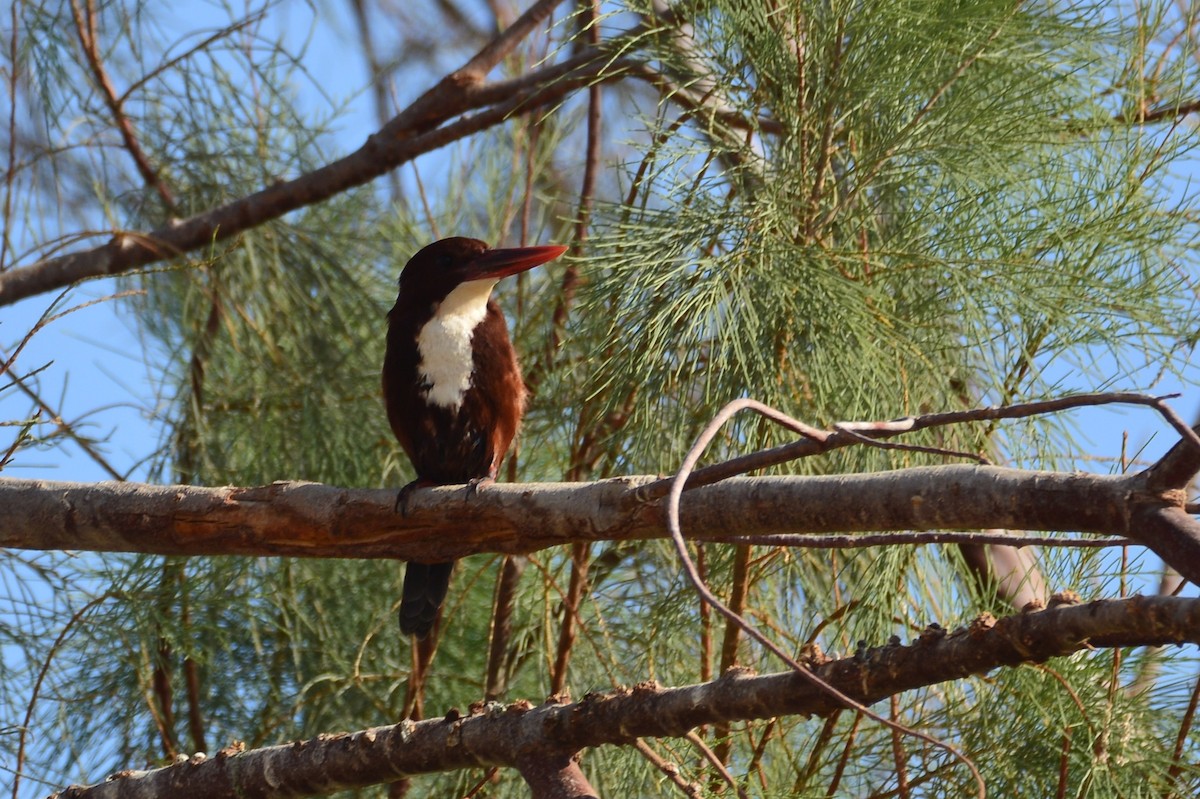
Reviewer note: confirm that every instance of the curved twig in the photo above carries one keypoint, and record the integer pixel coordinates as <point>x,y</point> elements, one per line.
<point>676,534</point>
<point>23,731</point>
<point>1169,468</point>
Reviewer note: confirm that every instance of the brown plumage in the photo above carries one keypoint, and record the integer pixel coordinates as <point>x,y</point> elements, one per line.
<point>451,383</point>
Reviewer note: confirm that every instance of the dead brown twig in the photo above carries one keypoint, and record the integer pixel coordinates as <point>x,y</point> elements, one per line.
<point>673,528</point>
<point>845,434</point>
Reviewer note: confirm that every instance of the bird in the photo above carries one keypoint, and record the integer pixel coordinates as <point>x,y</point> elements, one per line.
<point>452,385</point>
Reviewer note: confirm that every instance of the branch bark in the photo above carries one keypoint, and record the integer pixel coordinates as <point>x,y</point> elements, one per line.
<point>544,739</point>
<point>314,520</point>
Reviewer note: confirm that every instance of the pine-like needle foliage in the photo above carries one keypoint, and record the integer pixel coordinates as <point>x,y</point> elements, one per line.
<point>848,210</point>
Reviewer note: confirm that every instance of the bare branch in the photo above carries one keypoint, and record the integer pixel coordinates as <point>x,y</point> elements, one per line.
<point>314,520</point>
<point>521,734</point>
<point>669,770</point>
<point>85,28</point>
<point>911,538</point>
<point>1170,473</point>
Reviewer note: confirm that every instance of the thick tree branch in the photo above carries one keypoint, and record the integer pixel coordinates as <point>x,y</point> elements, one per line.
<point>521,735</point>
<point>313,520</point>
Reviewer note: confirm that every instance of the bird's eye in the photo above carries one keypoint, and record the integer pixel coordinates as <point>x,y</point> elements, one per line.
<point>445,261</point>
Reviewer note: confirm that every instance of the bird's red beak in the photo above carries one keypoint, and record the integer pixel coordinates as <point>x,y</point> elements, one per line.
<point>502,263</point>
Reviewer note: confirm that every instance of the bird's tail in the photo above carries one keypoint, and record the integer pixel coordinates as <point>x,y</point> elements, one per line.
<point>425,586</point>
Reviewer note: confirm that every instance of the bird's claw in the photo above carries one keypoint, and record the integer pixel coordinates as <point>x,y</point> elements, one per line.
<point>476,483</point>
<point>405,494</point>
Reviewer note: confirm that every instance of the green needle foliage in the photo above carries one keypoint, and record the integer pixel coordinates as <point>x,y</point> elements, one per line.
<point>848,210</point>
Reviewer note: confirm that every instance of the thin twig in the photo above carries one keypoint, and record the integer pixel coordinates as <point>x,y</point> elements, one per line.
<point>1185,728</point>
<point>756,756</point>
<point>66,428</point>
<point>191,678</point>
<point>738,589</point>
<point>10,174</point>
<point>1064,764</point>
<point>37,685</point>
<point>814,754</point>
<point>48,318</point>
<point>899,756</point>
<point>588,632</point>
<point>706,638</point>
<point>669,769</point>
<point>85,27</point>
<point>378,82</point>
<point>828,114</point>
<point>23,435</point>
<point>844,760</point>
<point>580,555</point>
<point>535,130</point>
<point>252,19</point>
<point>817,442</point>
<point>590,21</point>
<point>676,533</point>
<point>915,538</point>
<point>498,48</point>
<point>496,680</point>
<point>848,429</point>
<point>488,776</point>
<point>716,763</point>
<point>1170,111</point>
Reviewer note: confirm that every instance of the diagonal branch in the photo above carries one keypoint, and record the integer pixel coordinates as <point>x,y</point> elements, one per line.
<point>521,734</point>
<point>66,428</point>
<point>85,28</point>
<point>413,132</point>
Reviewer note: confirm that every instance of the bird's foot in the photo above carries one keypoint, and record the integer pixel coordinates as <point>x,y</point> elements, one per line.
<point>476,483</point>
<point>404,494</point>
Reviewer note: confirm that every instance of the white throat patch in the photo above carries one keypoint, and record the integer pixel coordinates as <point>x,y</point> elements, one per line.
<point>444,343</point>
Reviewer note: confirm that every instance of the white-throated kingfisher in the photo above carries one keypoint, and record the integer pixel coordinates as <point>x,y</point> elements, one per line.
<point>451,383</point>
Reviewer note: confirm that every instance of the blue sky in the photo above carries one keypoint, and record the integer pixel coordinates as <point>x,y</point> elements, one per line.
<point>97,375</point>
<point>95,368</point>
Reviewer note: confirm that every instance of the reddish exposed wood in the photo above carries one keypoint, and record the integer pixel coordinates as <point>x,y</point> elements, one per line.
<point>314,520</point>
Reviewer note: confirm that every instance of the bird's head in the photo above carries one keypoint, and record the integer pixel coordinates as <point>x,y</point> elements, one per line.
<point>440,268</point>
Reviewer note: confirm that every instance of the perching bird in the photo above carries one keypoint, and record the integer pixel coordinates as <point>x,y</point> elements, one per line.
<point>451,383</point>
